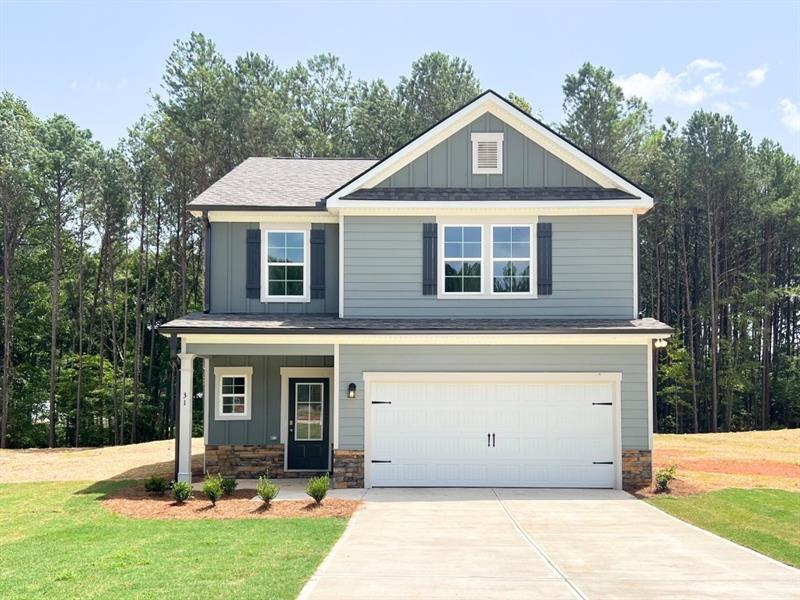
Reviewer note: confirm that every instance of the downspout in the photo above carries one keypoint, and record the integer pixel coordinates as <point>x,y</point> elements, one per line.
<point>173,357</point>
<point>207,263</point>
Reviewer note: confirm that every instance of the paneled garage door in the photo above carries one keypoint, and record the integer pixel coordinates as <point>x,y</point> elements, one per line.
<point>509,429</point>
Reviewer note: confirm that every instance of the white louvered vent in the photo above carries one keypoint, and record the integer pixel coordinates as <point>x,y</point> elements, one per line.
<point>487,153</point>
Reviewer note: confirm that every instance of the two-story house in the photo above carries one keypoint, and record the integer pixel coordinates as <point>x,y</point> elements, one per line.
<point>461,313</point>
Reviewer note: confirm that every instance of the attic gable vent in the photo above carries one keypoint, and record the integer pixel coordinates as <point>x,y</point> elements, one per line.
<point>487,153</point>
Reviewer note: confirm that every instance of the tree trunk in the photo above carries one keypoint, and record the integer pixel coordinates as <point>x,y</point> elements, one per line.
<point>80,323</point>
<point>713,333</point>
<point>54,299</point>
<point>690,328</point>
<point>9,247</point>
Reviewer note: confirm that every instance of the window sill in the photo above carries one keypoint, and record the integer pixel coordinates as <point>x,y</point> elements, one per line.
<point>486,296</point>
<point>233,417</point>
<point>283,299</point>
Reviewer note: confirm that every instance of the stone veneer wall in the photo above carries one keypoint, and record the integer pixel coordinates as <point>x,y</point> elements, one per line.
<point>348,468</point>
<point>247,462</point>
<point>637,469</point>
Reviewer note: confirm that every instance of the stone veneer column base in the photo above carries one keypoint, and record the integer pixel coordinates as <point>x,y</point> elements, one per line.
<point>637,469</point>
<point>348,468</point>
<point>248,462</point>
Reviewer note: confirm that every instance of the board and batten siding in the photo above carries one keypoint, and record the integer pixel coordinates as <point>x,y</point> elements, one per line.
<point>229,276</point>
<point>631,361</point>
<point>592,272</point>
<point>525,163</point>
<point>265,425</point>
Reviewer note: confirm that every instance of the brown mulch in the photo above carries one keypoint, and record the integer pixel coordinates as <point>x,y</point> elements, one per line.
<point>135,502</point>
<point>736,467</point>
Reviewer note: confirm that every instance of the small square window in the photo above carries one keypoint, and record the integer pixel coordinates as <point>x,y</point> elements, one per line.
<point>233,392</point>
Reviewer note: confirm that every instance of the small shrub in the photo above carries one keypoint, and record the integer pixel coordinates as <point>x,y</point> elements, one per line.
<point>212,488</point>
<point>156,485</point>
<point>267,490</point>
<point>181,491</point>
<point>317,487</point>
<point>664,477</point>
<point>228,485</point>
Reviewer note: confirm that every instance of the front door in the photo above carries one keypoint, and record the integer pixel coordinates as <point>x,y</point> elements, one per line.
<point>308,444</point>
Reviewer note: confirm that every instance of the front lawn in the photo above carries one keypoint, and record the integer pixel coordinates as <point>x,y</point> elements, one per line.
<point>58,541</point>
<point>764,520</point>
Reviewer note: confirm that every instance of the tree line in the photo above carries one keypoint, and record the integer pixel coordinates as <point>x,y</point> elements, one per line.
<point>98,248</point>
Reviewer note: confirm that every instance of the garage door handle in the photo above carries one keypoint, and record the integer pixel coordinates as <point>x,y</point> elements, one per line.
<point>488,440</point>
<point>381,461</point>
<point>601,403</point>
<point>603,462</point>
<point>492,440</point>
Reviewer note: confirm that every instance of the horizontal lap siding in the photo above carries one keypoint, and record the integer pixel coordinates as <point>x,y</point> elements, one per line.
<point>592,272</point>
<point>228,275</point>
<point>264,427</point>
<point>631,361</point>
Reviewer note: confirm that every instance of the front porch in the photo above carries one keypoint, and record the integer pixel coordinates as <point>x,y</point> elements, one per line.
<point>268,410</point>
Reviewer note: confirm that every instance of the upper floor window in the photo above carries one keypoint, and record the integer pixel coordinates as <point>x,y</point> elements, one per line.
<point>512,262</point>
<point>287,276</point>
<point>233,392</point>
<point>463,259</point>
<point>487,153</point>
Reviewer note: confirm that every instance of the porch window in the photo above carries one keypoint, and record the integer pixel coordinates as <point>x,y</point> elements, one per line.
<point>287,277</point>
<point>512,262</point>
<point>463,259</point>
<point>308,412</point>
<point>233,397</point>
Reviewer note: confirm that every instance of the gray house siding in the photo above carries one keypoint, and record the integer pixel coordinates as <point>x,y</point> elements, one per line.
<point>526,163</point>
<point>631,361</point>
<point>592,272</point>
<point>228,275</point>
<point>265,425</point>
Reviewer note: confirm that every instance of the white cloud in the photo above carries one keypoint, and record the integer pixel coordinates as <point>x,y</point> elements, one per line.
<point>704,64</point>
<point>702,81</point>
<point>790,114</point>
<point>755,77</point>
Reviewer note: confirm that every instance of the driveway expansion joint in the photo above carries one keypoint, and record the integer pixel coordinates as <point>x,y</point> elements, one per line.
<point>538,549</point>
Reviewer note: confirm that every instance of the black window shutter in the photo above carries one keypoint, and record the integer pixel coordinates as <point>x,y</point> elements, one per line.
<point>429,262</point>
<point>253,263</point>
<point>317,263</point>
<point>544,258</point>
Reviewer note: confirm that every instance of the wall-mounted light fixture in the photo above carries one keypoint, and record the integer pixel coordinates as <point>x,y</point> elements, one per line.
<point>351,390</point>
<point>660,343</point>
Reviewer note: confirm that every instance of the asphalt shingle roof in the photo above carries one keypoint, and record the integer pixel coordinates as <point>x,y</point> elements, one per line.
<point>284,183</point>
<point>324,323</point>
<point>535,194</point>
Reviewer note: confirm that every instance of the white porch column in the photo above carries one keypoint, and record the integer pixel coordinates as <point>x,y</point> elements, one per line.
<point>185,418</point>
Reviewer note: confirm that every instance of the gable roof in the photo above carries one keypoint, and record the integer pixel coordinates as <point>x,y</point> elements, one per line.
<point>280,183</point>
<point>489,101</point>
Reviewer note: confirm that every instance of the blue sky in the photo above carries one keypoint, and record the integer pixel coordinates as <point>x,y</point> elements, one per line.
<point>98,62</point>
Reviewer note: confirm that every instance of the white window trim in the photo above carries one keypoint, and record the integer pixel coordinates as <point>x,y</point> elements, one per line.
<point>305,229</point>
<point>247,373</point>
<point>442,260</point>
<point>487,137</point>
<point>322,414</point>
<point>533,275</point>
<point>487,286</point>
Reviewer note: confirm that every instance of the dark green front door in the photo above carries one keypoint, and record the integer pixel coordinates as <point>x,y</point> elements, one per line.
<point>309,443</point>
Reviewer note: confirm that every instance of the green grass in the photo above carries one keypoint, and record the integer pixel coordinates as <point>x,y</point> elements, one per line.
<point>764,520</point>
<point>58,541</point>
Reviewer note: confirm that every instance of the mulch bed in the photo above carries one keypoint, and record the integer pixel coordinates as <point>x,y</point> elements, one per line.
<point>137,503</point>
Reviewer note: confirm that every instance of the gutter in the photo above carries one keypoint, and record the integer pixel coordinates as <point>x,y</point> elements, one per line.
<point>180,330</point>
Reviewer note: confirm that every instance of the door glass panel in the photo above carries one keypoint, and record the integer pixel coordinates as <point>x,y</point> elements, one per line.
<point>308,412</point>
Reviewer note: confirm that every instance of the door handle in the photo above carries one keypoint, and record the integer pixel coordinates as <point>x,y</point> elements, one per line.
<point>488,440</point>
<point>492,440</point>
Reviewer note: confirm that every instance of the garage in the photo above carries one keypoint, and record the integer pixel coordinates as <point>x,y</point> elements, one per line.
<point>492,429</point>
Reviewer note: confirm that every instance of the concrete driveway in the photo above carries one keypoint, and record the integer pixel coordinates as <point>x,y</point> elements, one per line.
<point>504,543</point>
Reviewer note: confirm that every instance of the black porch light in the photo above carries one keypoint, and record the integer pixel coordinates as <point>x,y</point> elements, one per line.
<point>351,390</point>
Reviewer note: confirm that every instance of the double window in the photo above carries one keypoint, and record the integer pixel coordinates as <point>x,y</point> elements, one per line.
<point>509,271</point>
<point>287,277</point>
<point>233,392</point>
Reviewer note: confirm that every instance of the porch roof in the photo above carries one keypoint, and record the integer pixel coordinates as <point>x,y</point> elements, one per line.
<point>332,324</point>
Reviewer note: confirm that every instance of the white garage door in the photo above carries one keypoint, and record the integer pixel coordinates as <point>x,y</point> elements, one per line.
<point>515,430</point>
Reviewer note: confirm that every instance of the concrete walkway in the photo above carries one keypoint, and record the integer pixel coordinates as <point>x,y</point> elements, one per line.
<point>483,543</point>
